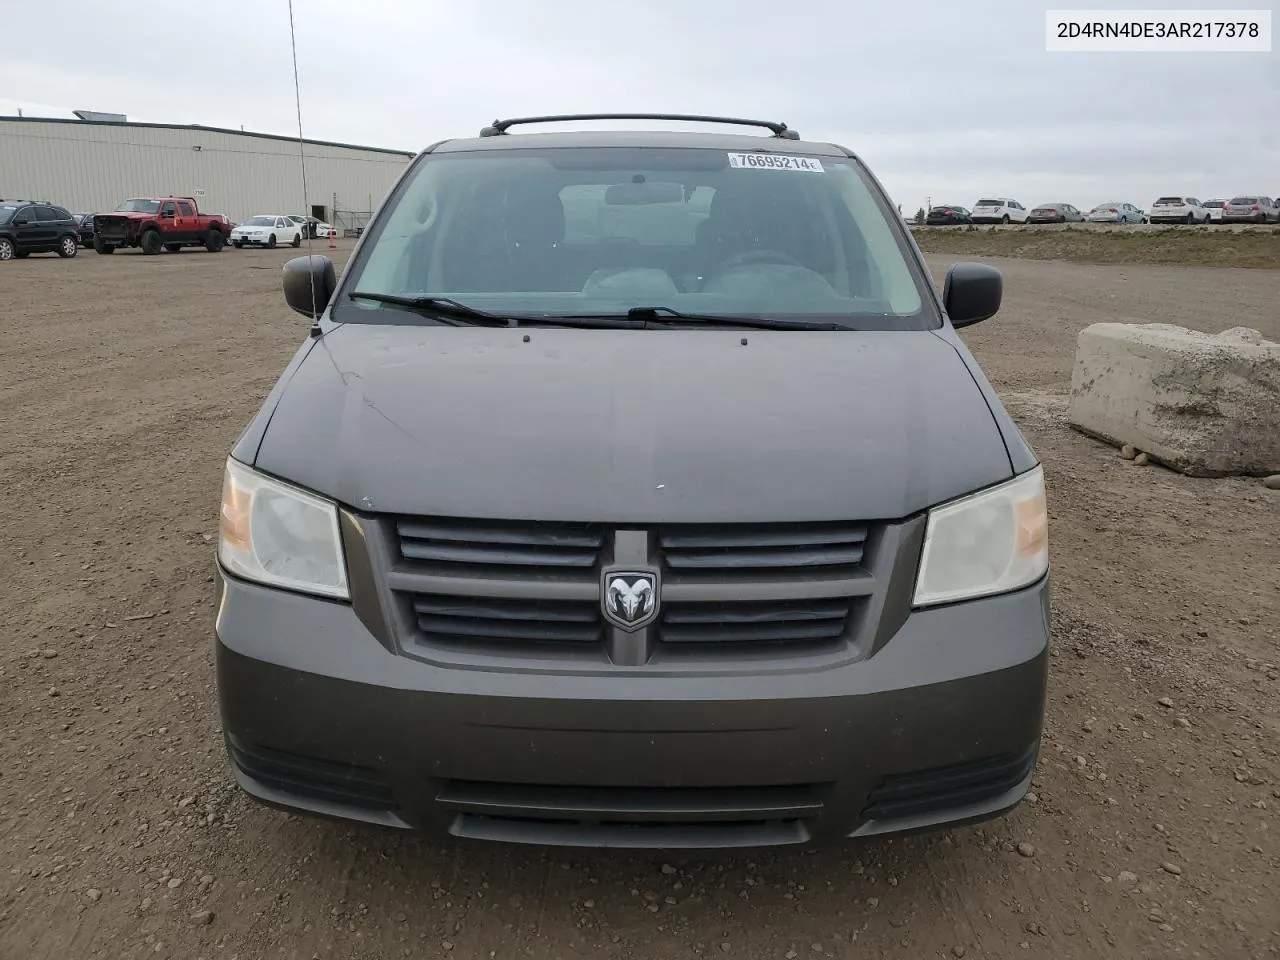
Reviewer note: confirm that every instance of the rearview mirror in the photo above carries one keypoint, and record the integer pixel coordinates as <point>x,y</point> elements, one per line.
<point>628,194</point>
<point>309,282</point>
<point>972,293</point>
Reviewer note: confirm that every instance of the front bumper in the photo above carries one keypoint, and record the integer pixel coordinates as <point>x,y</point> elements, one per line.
<point>941,725</point>
<point>242,238</point>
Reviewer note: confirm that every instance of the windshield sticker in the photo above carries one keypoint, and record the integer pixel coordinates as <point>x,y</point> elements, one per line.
<point>774,161</point>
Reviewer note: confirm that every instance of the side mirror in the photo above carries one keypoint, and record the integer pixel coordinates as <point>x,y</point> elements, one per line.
<point>972,293</point>
<point>309,282</point>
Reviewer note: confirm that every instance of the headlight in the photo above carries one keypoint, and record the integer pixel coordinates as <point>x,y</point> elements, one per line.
<point>279,535</point>
<point>990,542</point>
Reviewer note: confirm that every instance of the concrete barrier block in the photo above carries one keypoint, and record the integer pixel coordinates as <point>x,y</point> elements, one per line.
<point>1207,405</point>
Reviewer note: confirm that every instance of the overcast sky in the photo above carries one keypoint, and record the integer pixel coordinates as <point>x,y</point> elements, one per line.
<point>944,98</point>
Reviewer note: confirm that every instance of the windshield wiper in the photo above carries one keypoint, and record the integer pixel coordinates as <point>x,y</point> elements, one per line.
<point>457,314</point>
<point>449,312</point>
<point>669,315</point>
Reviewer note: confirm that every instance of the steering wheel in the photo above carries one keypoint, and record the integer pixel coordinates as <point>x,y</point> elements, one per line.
<point>749,257</point>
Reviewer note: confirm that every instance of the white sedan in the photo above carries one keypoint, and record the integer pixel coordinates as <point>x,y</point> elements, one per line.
<point>267,230</point>
<point>312,227</point>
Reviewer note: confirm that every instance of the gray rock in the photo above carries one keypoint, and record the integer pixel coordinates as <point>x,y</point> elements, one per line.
<point>1025,849</point>
<point>1200,403</point>
<point>1272,482</point>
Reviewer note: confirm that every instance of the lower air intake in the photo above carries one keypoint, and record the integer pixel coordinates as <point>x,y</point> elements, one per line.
<point>303,776</point>
<point>945,788</point>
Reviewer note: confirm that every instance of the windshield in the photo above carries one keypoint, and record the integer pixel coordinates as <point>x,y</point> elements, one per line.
<point>1213,203</point>
<point>1169,202</point>
<point>990,203</point>
<point>259,222</point>
<point>139,206</point>
<point>596,232</point>
<point>1244,201</point>
<point>6,212</point>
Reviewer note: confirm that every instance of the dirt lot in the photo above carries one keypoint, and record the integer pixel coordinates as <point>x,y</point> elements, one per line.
<point>1154,828</point>
<point>1210,246</point>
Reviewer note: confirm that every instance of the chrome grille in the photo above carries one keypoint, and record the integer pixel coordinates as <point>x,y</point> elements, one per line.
<point>459,589</point>
<point>818,548</point>
<point>500,619</point>
<point>774,622</point>
<point>470,546</point>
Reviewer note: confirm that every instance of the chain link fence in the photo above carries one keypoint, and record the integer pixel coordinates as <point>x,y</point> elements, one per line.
<point>351,223</point>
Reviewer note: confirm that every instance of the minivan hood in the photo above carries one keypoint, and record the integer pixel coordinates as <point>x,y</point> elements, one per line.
<point>634,426</point>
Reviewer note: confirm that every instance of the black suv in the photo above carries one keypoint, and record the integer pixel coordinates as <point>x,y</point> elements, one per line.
<point>28,227</point>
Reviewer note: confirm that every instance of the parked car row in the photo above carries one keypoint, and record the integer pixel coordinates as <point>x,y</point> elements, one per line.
<point>273,229</point>
<point>150,223</point>
<point>1245,208</point>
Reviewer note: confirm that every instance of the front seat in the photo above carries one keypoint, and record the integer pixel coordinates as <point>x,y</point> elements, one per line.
<point>532,220</point>
<point>742,219</point>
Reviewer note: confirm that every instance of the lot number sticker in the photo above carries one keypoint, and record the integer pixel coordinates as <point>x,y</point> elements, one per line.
<point>773,161</point>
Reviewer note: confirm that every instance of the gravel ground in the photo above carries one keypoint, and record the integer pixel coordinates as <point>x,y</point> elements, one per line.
<point>1152,832</point>
<point>1233,245</point>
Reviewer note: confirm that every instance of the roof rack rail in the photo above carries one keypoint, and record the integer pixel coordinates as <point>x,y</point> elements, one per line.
<point>780,130</point>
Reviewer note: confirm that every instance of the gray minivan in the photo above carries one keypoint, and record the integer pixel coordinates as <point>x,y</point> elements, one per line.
<point>634,489</point>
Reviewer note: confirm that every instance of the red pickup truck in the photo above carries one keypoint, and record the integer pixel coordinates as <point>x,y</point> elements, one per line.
<point>159,223</point>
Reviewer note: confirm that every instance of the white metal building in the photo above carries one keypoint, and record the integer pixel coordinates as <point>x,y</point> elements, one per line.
<point>90,166</point>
